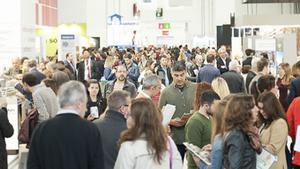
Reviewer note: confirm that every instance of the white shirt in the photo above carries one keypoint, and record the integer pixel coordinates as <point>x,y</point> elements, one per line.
<point>86,77</point>
<point>67,111</point>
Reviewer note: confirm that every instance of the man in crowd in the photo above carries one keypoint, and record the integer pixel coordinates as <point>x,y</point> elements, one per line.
<point>180,94</point>
<point>233,78</point>
<point>67,141</point>
<point>120,83</point>
<point>151,87</point>
<point>87,69</point>
<point>32,69</point>
<point>164,71</point>
<point>133,70</point>
<point>113,124</point>
<point>198,127</point>
<point>247,62</point>
<point>208,72</point>
<point>252,73</point>
<point>44,98</point>
<point>70,65</point>
<point>263,69</point>
<point>223,60</point>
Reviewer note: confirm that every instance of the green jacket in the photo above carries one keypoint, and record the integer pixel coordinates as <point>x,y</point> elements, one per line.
<point>183,100</point>
<point>197,132</point>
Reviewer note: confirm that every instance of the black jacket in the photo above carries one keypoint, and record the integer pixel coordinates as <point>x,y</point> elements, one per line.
<point>221,66</point>
<point>128,86</point>
<point>64,142</point>
<point>237,151</point>
<point>249,78</point>
<point>95,71</point>
<point>6,130</point>
<point>294,90</point>
<point>161,73</point>
<point>234,81</point>
<point>110,128</point>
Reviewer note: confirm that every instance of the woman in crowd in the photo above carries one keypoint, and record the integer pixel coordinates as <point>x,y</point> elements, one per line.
<point>148,69</point>
<point>241,142</point>
<point>6,130</point>
<point>145,144</point>
<point>95,105</point>
<point>51,83</point>
<point>274,131</point>
<point>283,83</point>
<point>108,73</point>
<point>219,85</point>
<point>201,87</point>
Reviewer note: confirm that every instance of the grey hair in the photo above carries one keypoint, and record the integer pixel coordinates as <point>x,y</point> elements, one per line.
<point>233,65</point>
<point>117,99</point>
<point>150,80</point>
<point>70,93</point>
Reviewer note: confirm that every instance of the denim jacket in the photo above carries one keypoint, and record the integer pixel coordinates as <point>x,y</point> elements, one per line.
<point>216,155</point>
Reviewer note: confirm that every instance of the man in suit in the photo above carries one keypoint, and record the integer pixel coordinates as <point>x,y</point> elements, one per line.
<point>208,72</point>
<point>67,141</point>
<point>114,122</point>
<point>32,69</point>
<point>70,65</point>
<point>223,60</point>
<point>164,71</point>
<point>88,69</point>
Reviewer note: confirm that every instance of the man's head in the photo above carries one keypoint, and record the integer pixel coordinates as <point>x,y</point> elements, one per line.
<point>254,62</point>
<point>210,59</point>
<point>164,60</point>
<point>152,84</point>
<point>249,52</point>
<point>199,59</point>
<point>179,74</point>
<point>128,59</point>
<point>119,101</point>
<point>32,63</point>
<point>29,80</point>
<point>69,57</point>
<point>121,73</point>
<point>263,66</point>
<point>211,52</point>
<point>16,63</point>
<point>72,95</point>
<point>86,54</point>
<point>222,53</point>
<point>234,65</point>
<point>296,69</point>
<point>206,100</point>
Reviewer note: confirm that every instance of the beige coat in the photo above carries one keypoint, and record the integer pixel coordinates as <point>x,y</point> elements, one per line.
<point>274,140</point>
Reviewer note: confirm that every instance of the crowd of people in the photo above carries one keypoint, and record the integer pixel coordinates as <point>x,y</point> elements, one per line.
<point>103,109</point>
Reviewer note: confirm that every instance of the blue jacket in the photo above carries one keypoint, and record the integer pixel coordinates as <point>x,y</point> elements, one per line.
<point>216,155</point>
<point>208,73</point>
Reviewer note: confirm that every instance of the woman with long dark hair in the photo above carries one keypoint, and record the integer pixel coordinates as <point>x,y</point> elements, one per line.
<point>241,142</point>
<point>145,144</point>
<point>274,129</point>
<point>95,105</point>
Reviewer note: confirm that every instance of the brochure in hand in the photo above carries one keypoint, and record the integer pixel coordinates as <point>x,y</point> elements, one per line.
<point>202,155</point>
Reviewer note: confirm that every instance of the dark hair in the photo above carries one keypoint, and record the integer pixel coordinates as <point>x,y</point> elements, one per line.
<point>52,84</point>
<point>210,58</point>
<point>94,81</point>
<point>32,63</point>
<point>208,97</point>
<point>265,83</point>
<point>179,66</point>
<point>30,79</point>
<point>248,52</point>
<point>86,50</point>
<point>147,120</point>
<point>238,113</point>
<point>68,54</point>
<point>129,56</point>
<point>261,64</point>
<point>264,55</point>
<point>271,107</point>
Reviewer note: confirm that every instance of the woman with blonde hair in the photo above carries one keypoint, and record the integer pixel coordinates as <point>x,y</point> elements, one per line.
<point>219,85</point>
<point>283,83</point>
<point>146,144</point>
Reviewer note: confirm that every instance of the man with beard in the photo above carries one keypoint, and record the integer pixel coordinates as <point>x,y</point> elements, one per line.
<point>198,127</point>
<point>179,93</point>
<point>120,83</point>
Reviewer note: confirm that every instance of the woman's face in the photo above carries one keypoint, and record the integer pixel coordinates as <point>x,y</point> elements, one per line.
<point>93,89</point>
<point>281,71</point>
<point>254,112</point>
<point>261,110</point>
